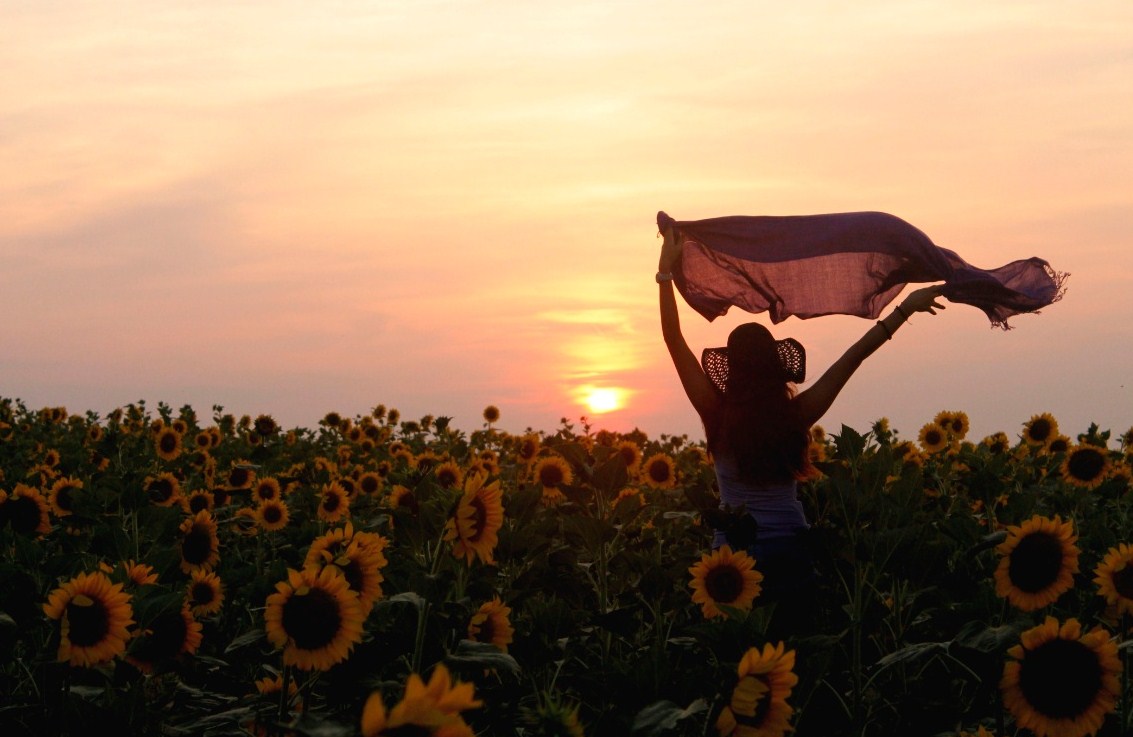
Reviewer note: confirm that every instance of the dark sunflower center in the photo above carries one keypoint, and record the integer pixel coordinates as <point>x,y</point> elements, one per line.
<point>1058,446</point>
<point>628,455</point>
<point>165,639</point>
<point>331,502</point>
<point>933,437</point>
<point>197,545</point>
<point>724,584</point>
<point>266,492</point>
<point>87,620</point>
<point>65,497</point>
<point>447,478</point>
<point>487,630</point>
<point>369,484</point>
<point>312,619</point>
<point>1123,582</point>
<point>1035,562</point>
<point>202,594</point>
<point>353,574</point>
<point>160,490</point>
<point>550,476</point>
<point>1086,464</point>
<point>168,442</point>
<point>272,514</point>
<point>1040,430</point>
<point>198,503</point>
<point>659,472</point>
<point>25,514</point>
<point>238,477</point>
<point>1060,679</point>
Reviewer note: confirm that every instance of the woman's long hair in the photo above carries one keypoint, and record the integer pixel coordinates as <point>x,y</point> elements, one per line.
<point>758,424</point>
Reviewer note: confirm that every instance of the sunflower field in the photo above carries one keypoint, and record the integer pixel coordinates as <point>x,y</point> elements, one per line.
<point>166,574</point>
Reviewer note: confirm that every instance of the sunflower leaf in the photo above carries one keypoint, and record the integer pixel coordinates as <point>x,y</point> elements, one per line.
<point>479,655</point>
<point>248,638</point>
<point>662,716</point>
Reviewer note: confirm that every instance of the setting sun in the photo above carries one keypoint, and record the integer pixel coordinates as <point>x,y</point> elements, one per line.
<point>601,400</point>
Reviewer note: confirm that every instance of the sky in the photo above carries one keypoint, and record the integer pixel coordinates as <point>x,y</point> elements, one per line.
<point>292,208</point>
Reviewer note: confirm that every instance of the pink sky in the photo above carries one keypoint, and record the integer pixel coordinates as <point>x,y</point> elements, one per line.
<point>292,208</point>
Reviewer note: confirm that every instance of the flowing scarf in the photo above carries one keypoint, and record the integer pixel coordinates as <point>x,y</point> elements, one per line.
<point>847,264</point>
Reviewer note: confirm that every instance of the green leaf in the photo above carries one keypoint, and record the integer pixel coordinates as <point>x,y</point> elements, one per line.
<point>481,655</point>
<point>611,476</point>
<point>248,638</point>
<point>850,443</point>
<point>662,716</point>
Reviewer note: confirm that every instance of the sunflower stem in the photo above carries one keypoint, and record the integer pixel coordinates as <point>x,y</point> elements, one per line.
<point>285,686</point>
<point>419,639</point>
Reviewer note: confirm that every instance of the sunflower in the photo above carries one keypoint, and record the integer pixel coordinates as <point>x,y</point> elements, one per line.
<point>133,573</point>
<point>448,475</point>
<point>265,489</point>
<point>272,515</point>
<point>61,496</point>
<point>334,502</point>
<point>205,594</point>
<point>96,616</point>
<point>241,476</point>
<point>1114,577</point>
<point>933,438</point>
<point>314,617</point>
<point>758,707</point>
<point>491,414</point>
<point>170,634</point>
<point>202,441</point>
<point>478,516</point>
<point>554,717</point>
<point>527,448</point>
<point>1058,444</point>
<point>402,497</point>
<point>244,522</point>
<point>954,423</point>
<point>491,623</point>
<point>1085,466</point>
<point>659,471</point>
<point>553,472</point>
<point>996,444</point>
<point>200,548</point>
<point>197,501</point>
<point>1038,561</point>
<point>430,710</point>
<point>358,557</point>
<point>51,458</point>
<point>164,490</point>
<point>167,443</point>
<point>26,511</point>
<point>724,578</point>
<point>1061,682</point>
<point>370,483</point>
<point>1039,430</point>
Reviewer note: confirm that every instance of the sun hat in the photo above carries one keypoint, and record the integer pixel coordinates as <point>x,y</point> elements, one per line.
<point>791,354</point>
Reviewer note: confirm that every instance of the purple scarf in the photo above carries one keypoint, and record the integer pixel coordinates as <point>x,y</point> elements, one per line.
<point>849,264</point>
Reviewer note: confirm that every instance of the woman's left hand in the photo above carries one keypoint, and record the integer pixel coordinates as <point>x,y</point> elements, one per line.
<point>923,300</point>
<point>670,251</point>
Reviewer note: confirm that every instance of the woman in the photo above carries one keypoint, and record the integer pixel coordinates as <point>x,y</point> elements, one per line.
<point>758,428</point>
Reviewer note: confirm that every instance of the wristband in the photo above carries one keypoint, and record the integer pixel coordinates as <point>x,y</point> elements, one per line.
<point>663,276</point>
<point>888,332</point>
<point>901,312</point>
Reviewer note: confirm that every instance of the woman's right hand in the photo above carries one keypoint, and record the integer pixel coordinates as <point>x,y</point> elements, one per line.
<point>670,251</point>
<point>923,300</point>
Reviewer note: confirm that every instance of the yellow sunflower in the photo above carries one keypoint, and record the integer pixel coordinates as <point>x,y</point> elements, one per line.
<point>95,618</point>
<point>169,635</point>
<point>272,515</point>
<point>205,594</point>
<point>630,453</point>
<point>997,443</point>
<point>359,563</point>
<point>370,483</point>
<point>933,438</point>
<point>1037,562</point>
<point>477,519</point>
<point>1039,430</point>
<point>167,444</point>
<point>241,475</point>
<point>659,471</point>
<point>334,503</point>
<point>198,500</point>
<point>552,473</point>
<point>1114,577</point>
<point>758,707</point>
<point>1085,466</point>
<point>431,710</point>
<point>314,618</point>
<point>1058,444</point>
<point>27,511</point>
<point>954,423</point>
<point>404,498</point>
<point>724,578</point>
<point>491,623</point>
<point>527,448</point>
<point>266,489</point>
<point>1061,682</point>
<point>491,414</point>
<point>62,496</point>
<point>163,490</point>
<point>448,475</point>
<point>200,548</point>
<point>131,573</point>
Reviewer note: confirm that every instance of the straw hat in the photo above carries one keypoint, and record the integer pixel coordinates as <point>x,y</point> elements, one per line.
<point>791,354</point>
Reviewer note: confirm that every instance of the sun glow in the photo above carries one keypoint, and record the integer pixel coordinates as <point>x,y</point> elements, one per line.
<point>603,399</point>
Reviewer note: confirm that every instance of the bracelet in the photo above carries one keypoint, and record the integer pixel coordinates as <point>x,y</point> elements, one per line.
<point>888,332</point>
<point>663,276</point>
<point>901,312</point>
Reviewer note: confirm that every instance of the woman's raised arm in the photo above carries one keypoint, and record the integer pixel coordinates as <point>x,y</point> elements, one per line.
<point>815,401</point>
<point>696,384</point>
